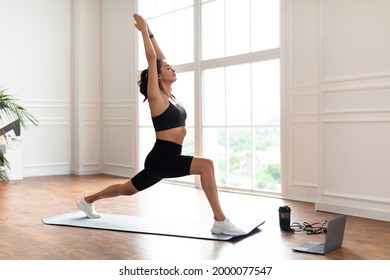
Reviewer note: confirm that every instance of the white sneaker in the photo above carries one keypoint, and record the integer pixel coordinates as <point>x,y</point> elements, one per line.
<point>226,227</point>
<point>88,209</point>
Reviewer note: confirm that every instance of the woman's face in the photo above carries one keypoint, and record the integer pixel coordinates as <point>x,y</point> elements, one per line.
<point>168,73</point>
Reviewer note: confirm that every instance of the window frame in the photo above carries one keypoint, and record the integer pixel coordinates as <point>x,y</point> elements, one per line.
<point>198,66</point>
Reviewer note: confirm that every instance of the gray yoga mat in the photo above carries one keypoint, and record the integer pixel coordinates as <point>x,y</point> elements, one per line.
<point>117,222</point>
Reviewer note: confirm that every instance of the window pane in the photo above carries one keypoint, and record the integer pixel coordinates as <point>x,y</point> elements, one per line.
<point>146,8</point>
<point>151,8</point>
<point>265,24</point>
<point>214,148</point>
<point>266,92</point>
<point>142,62</point>
<point>238,95</point>
<point>267,158</point>
<point>214,96</point>
<point>237,27</point>
<point>183,89</point>
<point>147,138</point>
<point>189,143</point>
<point>163,30</point>
<point>213,30</point>
<point>183,3</point>
<point>162,6</point>
<point>173,30</point>
<point>188,149</point>
<point>144,118</point>
<point>184,36</point>
<point>239,158</point>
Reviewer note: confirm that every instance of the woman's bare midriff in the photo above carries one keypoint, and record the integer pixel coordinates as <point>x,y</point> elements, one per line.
<point>175,135</point>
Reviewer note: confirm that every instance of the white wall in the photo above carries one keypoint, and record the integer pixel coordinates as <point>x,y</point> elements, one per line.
<point>34,65</point>
<point>86,82</point>
<point>338,105</point>
<point>120,88</point>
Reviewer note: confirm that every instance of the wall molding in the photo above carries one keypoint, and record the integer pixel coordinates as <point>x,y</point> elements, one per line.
<point>46,170</point>
<point>107,163</point>
<point>90,112</point>
<point>118,103</point>
<point>355,197</point>
<point>356,120</point>
<point>303,90</point>
<point>304,185</point>
<point>117,122</point>
<point>367,94</point>
<point>304,122</point>
<point>353,89</point>
<point>49,110</point>
<point>364,78</point>
<point>118,112</point>
<point>66,163</point>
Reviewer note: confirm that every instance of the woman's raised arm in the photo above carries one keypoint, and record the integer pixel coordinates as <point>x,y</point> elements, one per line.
<point>143,27</point>
<point>156,47</point>
<point>153,89</point>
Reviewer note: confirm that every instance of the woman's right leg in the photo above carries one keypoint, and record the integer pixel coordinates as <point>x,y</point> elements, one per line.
<point>113,191</point>
<point>138,183</point>
<point>86,204</point>
<point>205,168</point>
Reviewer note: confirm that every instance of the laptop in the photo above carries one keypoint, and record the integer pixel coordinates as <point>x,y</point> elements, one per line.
<point>334,238</point>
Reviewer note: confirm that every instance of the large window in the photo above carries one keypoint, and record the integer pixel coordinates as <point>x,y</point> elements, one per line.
<point>226,54</point>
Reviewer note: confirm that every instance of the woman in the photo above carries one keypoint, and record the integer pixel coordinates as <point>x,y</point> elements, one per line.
<point>165,159</point>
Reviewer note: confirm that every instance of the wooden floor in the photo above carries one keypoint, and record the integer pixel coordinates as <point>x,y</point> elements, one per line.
<point>24,237</point>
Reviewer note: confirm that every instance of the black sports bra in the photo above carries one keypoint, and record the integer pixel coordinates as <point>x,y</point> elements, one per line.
<point>172,117</point>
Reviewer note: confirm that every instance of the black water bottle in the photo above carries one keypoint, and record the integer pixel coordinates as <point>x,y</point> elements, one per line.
<point>284,218</point>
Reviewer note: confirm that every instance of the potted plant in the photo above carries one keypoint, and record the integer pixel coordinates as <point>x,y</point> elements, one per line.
<point>11,111</point>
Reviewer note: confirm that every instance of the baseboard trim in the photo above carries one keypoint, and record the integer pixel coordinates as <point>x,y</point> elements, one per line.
<point>376,214</point>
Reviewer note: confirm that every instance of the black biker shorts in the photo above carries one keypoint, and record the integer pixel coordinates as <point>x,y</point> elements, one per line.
<point>163,161</point>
